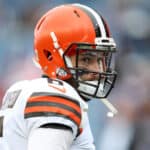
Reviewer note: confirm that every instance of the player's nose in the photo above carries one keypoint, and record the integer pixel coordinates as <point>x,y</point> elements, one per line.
<point>96,67</point>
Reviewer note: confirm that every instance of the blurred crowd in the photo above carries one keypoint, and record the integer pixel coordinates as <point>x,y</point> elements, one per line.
<point>130,25</point>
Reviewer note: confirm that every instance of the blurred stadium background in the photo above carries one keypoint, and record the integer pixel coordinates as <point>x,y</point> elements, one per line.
<point>129,21</point>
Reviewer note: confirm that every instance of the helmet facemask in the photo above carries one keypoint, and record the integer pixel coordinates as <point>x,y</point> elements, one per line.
<point>92,82</point>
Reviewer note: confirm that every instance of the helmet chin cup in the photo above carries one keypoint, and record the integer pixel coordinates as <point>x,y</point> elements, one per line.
<point>97,89</point>
<point>90,87</point>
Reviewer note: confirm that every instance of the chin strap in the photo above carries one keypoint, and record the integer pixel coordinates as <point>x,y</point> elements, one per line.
<point>112,110</point>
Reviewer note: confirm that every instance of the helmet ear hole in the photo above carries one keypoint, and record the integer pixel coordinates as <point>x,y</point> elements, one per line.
<point>48,55</point>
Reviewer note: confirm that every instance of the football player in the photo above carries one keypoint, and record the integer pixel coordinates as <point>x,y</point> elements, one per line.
<point>74,48</point>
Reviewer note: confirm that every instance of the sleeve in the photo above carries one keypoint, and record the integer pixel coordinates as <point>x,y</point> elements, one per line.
<point>85,140</point>
<point>46,108</point>
<point>48,138</point>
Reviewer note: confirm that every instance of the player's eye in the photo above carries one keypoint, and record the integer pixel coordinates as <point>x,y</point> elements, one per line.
<point>86,60</point>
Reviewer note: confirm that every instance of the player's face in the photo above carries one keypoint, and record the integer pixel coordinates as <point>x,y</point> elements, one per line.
<point>90,61</point>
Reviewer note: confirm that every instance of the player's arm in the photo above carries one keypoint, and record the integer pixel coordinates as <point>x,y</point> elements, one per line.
<point>50,139</point>
<point>53,121</point>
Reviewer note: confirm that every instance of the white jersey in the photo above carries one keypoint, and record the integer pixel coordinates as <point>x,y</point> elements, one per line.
<point>28,105</point>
